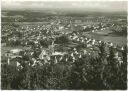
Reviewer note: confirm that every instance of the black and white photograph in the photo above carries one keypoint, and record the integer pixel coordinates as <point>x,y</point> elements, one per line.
<point>64,45</point>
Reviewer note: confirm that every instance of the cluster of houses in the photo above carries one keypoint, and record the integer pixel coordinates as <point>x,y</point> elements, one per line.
<point>41,42</point>
<point>47,55</point>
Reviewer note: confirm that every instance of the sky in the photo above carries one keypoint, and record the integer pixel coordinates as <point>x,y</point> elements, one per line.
<point>87,5</point>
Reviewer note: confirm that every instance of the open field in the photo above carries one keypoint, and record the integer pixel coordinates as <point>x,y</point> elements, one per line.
<point>117,40</point>
<point>4,49</point>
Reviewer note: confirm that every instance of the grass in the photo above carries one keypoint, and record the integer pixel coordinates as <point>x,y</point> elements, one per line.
<point>7,48</point>
<point>117,40</point>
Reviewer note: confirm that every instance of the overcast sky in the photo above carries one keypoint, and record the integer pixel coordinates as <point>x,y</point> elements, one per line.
<point>91,5</point>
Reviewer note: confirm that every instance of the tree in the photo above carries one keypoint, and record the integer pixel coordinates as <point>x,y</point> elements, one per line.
<point>62,40</point>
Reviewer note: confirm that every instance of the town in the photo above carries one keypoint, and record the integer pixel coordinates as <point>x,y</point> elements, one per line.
<point>63,51</point>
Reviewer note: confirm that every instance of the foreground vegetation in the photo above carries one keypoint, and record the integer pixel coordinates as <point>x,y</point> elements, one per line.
<point>85,73</point>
